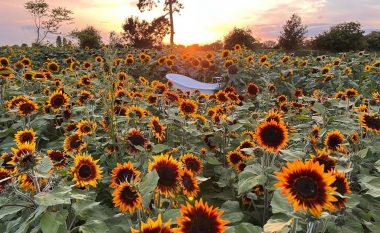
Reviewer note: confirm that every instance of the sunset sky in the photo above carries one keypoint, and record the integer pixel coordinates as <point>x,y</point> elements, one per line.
<point>201,21</point>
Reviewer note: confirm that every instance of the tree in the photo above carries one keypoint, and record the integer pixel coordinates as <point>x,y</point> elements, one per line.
<point>340,38</point>
<point>239,36</point>
<point>47,20</point>
<point>58,41</point>
<point>293,33</point>
<point>170,6</point>
<point>373,41</point>
<point>142,34</point>
<point>88,37</point>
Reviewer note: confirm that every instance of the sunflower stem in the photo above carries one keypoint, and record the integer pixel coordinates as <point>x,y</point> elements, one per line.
<point>294,225</point>
<point>312,226</point>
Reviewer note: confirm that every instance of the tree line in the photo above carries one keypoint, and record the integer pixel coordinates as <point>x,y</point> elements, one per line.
<point>140,33</point>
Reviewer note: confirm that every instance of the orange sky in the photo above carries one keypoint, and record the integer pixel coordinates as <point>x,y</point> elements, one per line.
<point>201,21</point>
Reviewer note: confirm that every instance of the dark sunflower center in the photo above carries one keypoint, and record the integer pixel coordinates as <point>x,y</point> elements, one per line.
<point>201,222</point>
<point>128,195</point>
<point>192,164</point>
<point>27,108</point>
<point>187,182</point>
<point>306,187</point>
<point>372,122</point>
<point>188,108</point>
<point>58,101</point>
<point>340,187</point>
<point>75,142</point>
<point>334,141</point>
<point>272,136</point>
<point>235,158</point>
<point>125,175</point>
<point>157,127</point>
<point>27,137</point>
<point>85,171</point>
<point>86,129</point>
<point>168,175</point>
<point>137,140</point>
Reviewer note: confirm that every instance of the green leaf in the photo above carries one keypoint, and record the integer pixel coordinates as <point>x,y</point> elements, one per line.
<point>172,215</point>
<point>212,160</point>
<point>280,203</point>
<point>59,195</point>
<point>319,108</point>
<point>362,153</point>
<point>245,185</point>
<point>278,222</point>
<point>93,226</point>
<point>146,187</point>
<point>244,228</point>
<point>5,211</point>
<point>232,212</point>
<point>44,167</point>
<point>51,221</point>
<point>160,148</point>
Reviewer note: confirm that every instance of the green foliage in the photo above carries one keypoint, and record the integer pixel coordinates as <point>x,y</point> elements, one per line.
<point>239,36</point>
<point>142,34</point>
<point>373,41</point>
<point>341,38</point>
<point>293,34</point>
<point>88,37</point>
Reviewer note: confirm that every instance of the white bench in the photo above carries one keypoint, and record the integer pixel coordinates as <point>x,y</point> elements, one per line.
<point>188,84</point>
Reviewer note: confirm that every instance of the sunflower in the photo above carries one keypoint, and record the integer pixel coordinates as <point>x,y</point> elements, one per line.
<point>159,88</point>
<point>189,183</point>
<point>347,70</point>
<point>245,144</point>
<point>4,173</point>
<point>4,61</point>
<point>234,158</point>
<point>263,59</point>
<point>87,65</point>
<point>325,159</point>
<point>86,171</point>
<point>200,218</point>
<point>272,136</point>
<point>376,96</point>
<point>99,58</point>
<point>24,153</point>
<point>84,96</point>
<point>354,138</point>
<point>228,63</point>
<point>6,72</point>
<point>126,198</point>
<point>222,97</point>
<point>370,122</point>
<point>249,133</point>
<point>136,111</point>
<point>281,99</point>
<point>26,182</point>
<point>334,140</point>
<point>273,116</point>
<point>252,89</point>
<point>58,158</point>
<point>85,128</point>
<point>53,67</point>
<point>225,53</point>
<point>85,81</point>
<point>307,186</point>
<point>188,107</point>
<point>136,137</point>
<point>58,99</point>
<point>7,162</point>
<point>192,163</point>
<point>168,172</point>
<point>342,188</point>
<point>73,144</point>
<point>124,173</point>
<point>26,135</point>
<point>157,128</point>
<point>27,107</point>
<point>154,227</point>
<point>351,92</point>
<point>129,60</point>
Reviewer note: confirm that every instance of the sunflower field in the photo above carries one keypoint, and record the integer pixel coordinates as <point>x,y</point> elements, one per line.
<point>99,141</point>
